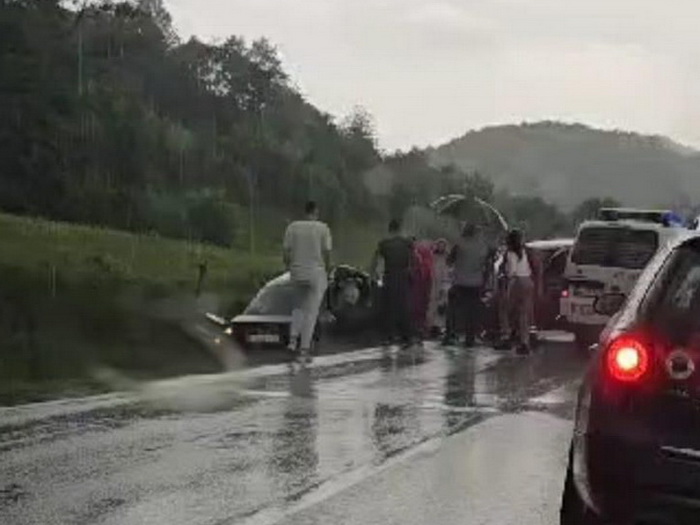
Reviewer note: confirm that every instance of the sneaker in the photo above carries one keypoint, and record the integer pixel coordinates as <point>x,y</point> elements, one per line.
<point>305,355</point>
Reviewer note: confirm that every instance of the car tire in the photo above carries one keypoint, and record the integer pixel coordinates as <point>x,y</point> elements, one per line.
<point>573,510</point>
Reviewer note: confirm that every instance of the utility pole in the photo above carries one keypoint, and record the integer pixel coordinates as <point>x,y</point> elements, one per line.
<point>250,176</point>
<point>80,59</point>
<point>79,27</point>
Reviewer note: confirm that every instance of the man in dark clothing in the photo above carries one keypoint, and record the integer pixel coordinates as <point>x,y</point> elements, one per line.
<point>468,260</point>
<point>396,251</point>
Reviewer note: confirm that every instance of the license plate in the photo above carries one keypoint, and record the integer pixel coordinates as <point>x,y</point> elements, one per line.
<point>263,338</point>
<point>582,309</point>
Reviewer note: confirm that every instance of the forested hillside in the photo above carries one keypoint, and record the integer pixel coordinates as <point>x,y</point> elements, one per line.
<point>106,117</point>
<point>566,164</point>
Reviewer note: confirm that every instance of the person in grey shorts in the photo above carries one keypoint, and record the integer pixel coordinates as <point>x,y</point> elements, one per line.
<point>307,250</point>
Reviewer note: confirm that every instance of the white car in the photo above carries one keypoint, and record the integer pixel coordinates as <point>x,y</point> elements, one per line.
<point>608,256</point>
<point>349,304</point>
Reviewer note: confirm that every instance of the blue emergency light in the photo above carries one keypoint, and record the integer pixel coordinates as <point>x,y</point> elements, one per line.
<point>665,217</point>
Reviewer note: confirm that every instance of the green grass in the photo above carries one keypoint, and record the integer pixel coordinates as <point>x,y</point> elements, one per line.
<point>76,298</point>
<point>75,253</point>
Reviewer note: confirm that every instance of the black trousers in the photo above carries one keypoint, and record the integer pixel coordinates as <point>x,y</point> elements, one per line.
<point>395,306</point>
<point>464,304</point>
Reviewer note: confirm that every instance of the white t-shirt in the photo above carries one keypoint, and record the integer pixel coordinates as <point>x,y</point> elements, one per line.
<point>517,267</point>
<point>306,241</point>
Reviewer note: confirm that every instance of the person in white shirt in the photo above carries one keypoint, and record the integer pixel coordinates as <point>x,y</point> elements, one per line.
<point>307,250</point>
<point>521,291</point>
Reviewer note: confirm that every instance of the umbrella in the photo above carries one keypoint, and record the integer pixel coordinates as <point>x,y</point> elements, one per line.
<point>458,205</point>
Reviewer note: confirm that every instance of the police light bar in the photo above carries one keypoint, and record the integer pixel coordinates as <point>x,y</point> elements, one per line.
<point>631,214</point>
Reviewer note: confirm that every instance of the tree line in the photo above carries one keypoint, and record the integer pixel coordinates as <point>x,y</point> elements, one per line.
<point>107,117</point>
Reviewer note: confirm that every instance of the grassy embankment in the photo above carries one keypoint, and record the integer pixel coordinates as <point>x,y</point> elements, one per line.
<point>74,298</point>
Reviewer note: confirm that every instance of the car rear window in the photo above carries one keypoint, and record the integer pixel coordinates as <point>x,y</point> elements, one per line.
<point>615,247</point>
<point>675,306</point>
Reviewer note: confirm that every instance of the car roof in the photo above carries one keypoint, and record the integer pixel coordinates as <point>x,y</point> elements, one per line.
<point>628,223</point>
<point>550,244</point>
<point>280,280</point>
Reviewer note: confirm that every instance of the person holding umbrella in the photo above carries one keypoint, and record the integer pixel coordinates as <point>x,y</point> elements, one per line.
<point>468,259</point>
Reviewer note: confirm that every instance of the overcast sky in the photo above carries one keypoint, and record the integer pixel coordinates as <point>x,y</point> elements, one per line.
<point>429,70</point>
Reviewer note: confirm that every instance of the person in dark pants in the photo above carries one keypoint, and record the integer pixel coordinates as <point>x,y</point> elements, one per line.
<point>396,252</point>
<point>468,259</point>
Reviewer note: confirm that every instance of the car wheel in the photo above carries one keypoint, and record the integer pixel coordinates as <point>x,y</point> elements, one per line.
<point>573,510</point>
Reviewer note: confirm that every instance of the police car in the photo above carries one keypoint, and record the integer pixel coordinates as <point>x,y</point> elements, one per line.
<point>608,256</point>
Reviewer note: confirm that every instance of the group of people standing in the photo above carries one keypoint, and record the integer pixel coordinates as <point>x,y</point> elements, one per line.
<point>428,288</point>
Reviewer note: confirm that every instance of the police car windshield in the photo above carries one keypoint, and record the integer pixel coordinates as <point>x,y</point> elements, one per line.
<point>618,247</point>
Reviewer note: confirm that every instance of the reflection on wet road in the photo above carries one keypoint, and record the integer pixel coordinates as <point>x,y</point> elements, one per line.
<point>364,437</point>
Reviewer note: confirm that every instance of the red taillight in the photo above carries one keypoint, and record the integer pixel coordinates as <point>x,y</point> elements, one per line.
<point>564,293</point>
<point>627,358</point>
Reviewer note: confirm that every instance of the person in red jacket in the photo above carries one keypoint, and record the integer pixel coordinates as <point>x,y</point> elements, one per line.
<point>421,286</point>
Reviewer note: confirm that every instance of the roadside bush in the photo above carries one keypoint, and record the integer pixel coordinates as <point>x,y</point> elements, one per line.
<point>202,215</point>
<point>166,214</point>
<point>210,217</point>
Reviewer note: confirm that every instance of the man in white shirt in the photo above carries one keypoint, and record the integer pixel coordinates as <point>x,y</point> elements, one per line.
<point>307,249</point>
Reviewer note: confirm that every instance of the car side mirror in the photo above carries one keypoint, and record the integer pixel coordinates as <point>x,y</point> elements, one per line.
<point>609,303</point>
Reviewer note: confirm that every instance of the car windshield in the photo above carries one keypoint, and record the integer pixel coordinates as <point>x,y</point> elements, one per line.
<point>274,299</point>
<point>615,247</point>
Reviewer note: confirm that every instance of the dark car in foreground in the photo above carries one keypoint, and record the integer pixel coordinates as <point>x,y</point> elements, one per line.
<point>349,305</point>
<point>635,453</point>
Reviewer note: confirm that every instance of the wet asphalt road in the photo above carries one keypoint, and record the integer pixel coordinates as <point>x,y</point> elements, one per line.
<point>373,436</point>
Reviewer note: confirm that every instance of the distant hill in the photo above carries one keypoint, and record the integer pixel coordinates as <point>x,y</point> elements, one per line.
<point>568,163</point>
